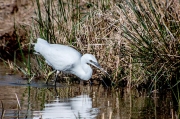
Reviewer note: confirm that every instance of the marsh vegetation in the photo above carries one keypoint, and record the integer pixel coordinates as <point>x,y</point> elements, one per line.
<point>135,41</point>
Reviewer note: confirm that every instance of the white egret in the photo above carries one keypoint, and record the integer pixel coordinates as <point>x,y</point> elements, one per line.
<point>67,59</point>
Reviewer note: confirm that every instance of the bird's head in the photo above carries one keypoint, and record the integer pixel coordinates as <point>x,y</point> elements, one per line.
<point>90,59</point>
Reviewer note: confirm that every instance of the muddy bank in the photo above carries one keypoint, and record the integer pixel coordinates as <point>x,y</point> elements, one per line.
<point>15,20</point>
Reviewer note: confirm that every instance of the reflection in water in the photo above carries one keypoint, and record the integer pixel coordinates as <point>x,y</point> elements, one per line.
<point>73,108</point>
<point>39,101</point>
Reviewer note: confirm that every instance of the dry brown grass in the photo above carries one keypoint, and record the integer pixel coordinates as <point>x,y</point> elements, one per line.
<point>17,12</point>
<point>94,28</point>
<point>96,31</point>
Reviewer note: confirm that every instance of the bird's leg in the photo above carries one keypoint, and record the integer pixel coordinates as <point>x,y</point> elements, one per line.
<point>57,72</point>
<point>49,74</point>
<point>56,92</point>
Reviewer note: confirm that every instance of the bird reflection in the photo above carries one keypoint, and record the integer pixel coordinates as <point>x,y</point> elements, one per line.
<point>73,108</point>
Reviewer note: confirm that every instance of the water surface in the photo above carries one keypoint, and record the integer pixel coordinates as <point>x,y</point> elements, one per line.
<point>39,101</point>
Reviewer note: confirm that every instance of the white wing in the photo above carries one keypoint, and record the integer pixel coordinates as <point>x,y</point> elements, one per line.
<point>60,57</point>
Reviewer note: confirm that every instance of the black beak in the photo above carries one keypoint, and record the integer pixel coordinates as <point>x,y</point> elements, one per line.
<point>96,65</point>
<point>99,67</point>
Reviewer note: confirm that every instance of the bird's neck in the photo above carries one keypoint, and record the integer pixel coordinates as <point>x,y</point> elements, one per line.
<point>87,71</point>
<point>83,71</point>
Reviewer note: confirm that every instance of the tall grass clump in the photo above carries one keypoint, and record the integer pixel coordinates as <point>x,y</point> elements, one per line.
<point>153,31</point>
<point>89,27</point>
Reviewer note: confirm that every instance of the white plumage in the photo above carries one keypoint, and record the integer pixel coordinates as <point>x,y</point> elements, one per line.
<point>66,59</point>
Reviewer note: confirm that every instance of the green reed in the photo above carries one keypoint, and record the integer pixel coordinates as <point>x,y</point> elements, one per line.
<point>153,32</point>
<point>61,22</point>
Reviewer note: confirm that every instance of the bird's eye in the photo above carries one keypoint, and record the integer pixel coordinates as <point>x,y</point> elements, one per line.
<point>91,61</point>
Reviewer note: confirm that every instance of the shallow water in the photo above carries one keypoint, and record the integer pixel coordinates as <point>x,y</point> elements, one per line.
<point>36,101</point>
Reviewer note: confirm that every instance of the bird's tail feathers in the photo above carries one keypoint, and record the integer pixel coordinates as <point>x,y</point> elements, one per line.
<point>40,45</point>
<point>42,41</point>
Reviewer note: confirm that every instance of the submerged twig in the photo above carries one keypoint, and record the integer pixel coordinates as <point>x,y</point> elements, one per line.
<point>18,101</point>
<point>3,111</point>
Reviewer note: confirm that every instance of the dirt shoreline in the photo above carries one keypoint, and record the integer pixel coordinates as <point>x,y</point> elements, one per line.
<point>15,15</point>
